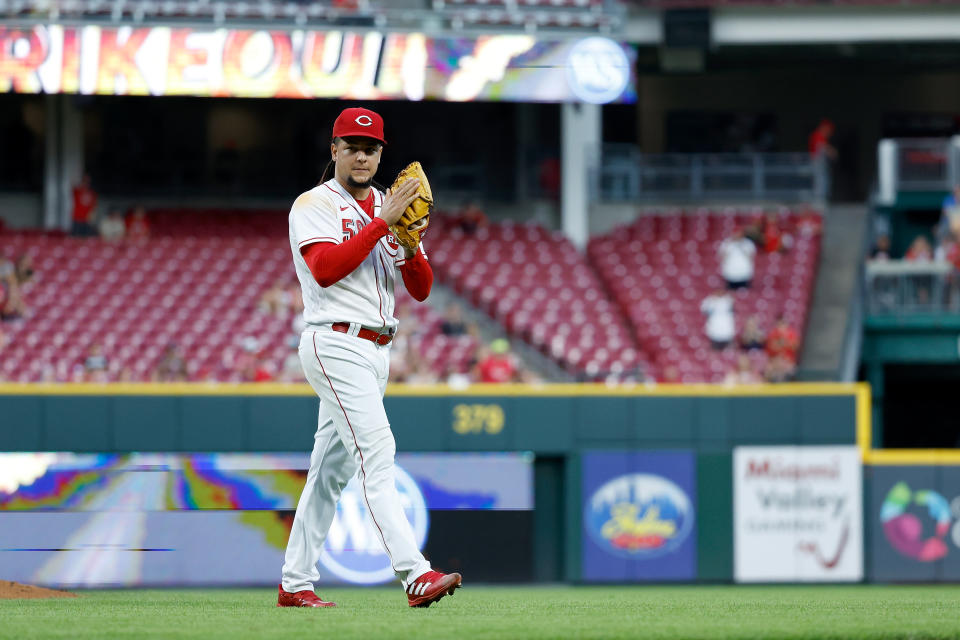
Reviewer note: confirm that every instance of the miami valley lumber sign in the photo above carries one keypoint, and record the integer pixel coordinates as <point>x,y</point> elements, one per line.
<point>798,514</point>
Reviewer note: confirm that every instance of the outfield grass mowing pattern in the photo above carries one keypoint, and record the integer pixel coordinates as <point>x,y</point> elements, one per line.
<point>500,612</point>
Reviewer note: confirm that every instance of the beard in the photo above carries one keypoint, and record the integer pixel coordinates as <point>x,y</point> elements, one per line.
<point>353,182</point>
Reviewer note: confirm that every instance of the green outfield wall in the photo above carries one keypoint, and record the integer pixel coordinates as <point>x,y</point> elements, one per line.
<point>562,425</point>
<point>548,420</point>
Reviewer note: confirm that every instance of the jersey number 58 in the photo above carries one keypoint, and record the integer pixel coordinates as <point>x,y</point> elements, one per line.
<point>351,228</point>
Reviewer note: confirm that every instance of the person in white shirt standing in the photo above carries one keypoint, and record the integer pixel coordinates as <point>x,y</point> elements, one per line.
<point>348,263</point>
<point>721,324</point>
<point>737,254</point>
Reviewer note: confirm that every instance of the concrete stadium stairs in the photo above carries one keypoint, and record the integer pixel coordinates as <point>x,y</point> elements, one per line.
<point>831,346</point>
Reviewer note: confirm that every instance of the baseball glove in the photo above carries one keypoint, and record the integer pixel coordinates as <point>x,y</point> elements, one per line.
<point>411,226</point>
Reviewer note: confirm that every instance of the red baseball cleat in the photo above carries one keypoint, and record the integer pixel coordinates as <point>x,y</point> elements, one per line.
<point>430,587</point>
<point>304,598</point>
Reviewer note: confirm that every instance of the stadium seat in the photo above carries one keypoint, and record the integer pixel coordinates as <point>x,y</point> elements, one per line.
<point>659,269</point>
<point>196,282</point>
<point>535,283</point>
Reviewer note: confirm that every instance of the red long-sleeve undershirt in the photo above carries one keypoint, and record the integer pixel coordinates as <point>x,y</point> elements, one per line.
<point>329,263</point>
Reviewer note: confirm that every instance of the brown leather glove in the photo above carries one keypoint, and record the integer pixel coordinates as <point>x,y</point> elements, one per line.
<point>411,226</point>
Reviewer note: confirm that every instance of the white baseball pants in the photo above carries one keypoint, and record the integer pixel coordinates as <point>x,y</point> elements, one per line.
<point>353,437</point>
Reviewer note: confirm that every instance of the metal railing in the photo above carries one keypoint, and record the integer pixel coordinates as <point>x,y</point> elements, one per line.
<point>916,164</point>
<point>899,287</point>
<point>622,173</point>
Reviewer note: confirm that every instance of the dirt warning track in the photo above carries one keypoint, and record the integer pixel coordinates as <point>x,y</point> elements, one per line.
<point>15,590</point>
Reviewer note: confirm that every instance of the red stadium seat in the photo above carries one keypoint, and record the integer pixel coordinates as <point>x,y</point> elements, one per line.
<point>659,268</point>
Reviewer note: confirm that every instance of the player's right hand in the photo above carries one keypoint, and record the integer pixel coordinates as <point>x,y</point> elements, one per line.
<point>396,202</point>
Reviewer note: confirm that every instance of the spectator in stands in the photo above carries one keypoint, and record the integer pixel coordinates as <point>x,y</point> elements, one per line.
<point>471,217</point>
<point>949,226</point>
<point>95,364</point>
<point>23,269</point>
<point>779,369</point>
<point>48,373</point>
<point>138,226</point>
<point>250,365</point>
<point>297,325</point>
<point>453,323</point>
<point>819,141</point>
<point>112,226</point>
<point>754,231</point>
<point>172,366</point>
<point>282,298</point>
<point>775,239</point>
<point>822,151</point>
<point>752,336</point>
<point>949,252</point>
<point>737,255</point>
<point>919,250</point>
<point>295,296</point>
<point>767,235</point>
<point>400,358</point>
<point>742,373</point>
<point>883,291</point>
<point>259,370</point>
<point>84,204</point>
<point>783,341</point>
<point>412,330</point>
<point>455,377</point>
<point>498,364</point>
<point>292,370</point>
<point>881,249</point>
<point>7,272</point>
<point>671,375</point>
<point>721,325</point>
<point>422,373</point>
<point>12,304</point>
<point>274,300</point>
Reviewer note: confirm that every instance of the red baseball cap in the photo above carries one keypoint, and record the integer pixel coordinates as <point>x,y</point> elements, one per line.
<point>357,121</point>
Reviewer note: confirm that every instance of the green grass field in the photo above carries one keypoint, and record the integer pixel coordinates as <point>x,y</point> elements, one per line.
<point>501,612</point>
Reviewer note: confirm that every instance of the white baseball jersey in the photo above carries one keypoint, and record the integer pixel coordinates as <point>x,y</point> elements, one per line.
<point>328,213</point>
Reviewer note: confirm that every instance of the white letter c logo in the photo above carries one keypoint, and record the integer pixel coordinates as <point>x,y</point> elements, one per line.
<point>364,121</point>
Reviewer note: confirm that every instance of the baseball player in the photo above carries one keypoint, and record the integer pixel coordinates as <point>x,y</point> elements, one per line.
<point>348,263</point>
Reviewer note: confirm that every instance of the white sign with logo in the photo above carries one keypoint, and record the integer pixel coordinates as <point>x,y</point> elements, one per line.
<point>353,550</point>
<point>598,70</point>
<point>798,514</point>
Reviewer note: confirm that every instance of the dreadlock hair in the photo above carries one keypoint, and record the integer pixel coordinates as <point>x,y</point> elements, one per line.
<point>326,172</point>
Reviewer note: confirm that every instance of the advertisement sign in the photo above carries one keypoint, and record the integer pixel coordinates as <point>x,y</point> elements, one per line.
<point>165,519</point>
<point>368,65</point>
<point>915,522</point>
<point>639,519</point>
<point>798,514</point>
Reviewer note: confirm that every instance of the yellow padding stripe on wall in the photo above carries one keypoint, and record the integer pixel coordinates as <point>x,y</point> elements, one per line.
<point>512,390</point>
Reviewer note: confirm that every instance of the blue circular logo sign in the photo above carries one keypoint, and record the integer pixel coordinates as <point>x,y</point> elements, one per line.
<point>639,515</point>
<point>353,551</point>
<point>598,70</point>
